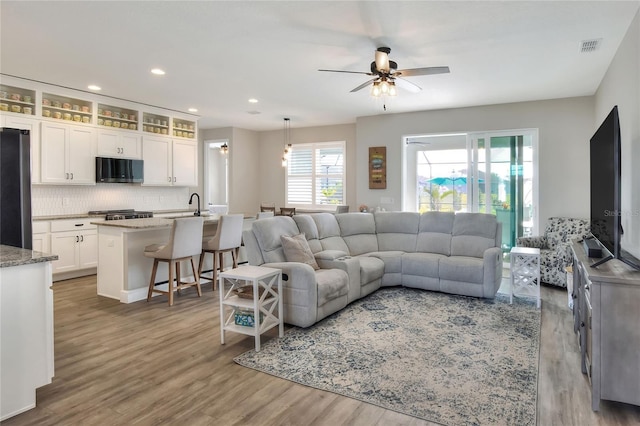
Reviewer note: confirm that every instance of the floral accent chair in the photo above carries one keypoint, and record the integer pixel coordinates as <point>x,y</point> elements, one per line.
<point>554,245</point>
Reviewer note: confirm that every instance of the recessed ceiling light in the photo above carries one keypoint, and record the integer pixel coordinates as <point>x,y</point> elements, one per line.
<point>94,87</point>
<point>253,101</point>
<point>157,71</point>
<point>193,110</point>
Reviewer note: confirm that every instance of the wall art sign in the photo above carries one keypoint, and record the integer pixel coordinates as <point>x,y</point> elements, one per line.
<point>378,167</point>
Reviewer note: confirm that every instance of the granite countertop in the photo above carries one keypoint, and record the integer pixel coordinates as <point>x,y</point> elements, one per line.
<point>178,213</point>
<point>151,222</point>
<point>15,256</point>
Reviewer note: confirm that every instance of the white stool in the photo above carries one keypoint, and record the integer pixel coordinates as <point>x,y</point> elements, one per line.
<point>185,241</point>
<point>525,273</point>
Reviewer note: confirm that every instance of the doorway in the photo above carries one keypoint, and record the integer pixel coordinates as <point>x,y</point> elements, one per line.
<point>216,173</point>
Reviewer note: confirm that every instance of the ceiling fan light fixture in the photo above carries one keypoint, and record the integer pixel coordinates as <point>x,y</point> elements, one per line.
<point>375,89</point>
<point>392,89</point>
<point>384,87</point>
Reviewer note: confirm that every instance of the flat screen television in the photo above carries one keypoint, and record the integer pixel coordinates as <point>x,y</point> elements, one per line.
<point>606,212</point>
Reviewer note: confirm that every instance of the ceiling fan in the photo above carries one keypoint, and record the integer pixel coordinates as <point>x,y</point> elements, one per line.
<point>387,74</point>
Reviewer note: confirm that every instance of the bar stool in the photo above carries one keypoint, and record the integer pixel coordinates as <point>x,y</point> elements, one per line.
<point>184,243</point>
<point>228,238</point>
<point>268,207</point>
<point>287,211</point>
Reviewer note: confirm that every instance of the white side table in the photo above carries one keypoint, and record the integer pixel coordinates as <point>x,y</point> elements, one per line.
<point>266,304</point>
<point>525,273</point>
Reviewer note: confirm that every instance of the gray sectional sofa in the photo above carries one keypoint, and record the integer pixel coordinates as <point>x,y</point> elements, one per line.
<point>357,253</point>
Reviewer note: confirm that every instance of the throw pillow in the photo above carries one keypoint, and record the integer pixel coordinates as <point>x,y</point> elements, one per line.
<point>296,249</point>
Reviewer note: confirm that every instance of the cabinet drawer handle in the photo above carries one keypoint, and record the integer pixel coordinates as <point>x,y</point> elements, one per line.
<point>67,175</point>
<point>77,239</point>
<point>81,238</point>
<point>169,179</point>
<point>72,176</point>
<point>79,224</point>
<point>174,178</point>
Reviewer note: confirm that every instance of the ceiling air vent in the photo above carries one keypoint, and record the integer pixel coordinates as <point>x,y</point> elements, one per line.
<point>592,45</point>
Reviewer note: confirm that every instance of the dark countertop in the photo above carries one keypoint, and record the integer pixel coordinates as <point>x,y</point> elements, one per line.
<point>14,256</point>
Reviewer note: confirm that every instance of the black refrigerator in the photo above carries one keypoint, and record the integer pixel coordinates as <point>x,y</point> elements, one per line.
<point>15,188</point>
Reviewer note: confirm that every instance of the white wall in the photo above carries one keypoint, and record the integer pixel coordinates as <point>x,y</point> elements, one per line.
<point>621,86</point>
<point>272,174</point>
<point>244,177</point>
<point>565,126</point>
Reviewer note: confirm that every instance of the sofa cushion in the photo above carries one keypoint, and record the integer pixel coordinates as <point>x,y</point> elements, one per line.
<point>554,239</point>
<point>358,230</point>
<point>296,249</point>
<point>268,232</point>
<point>434,233</point>
<point>371,269</point>
<point>392,260</point>
<point>329,232</point>
<point>332,283</point>
<point>308,226</point>
<point>422,264</point>
<point>462,269</point>
<point>473,233</point>
<point>397,230</point>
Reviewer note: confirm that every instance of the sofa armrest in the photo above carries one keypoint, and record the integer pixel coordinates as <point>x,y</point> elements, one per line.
<point>351,266</point>
<point>563,251</point>
<point>299,292</point>
<point>329,255</point>
<point>532,242</point>
<point>492,262</point>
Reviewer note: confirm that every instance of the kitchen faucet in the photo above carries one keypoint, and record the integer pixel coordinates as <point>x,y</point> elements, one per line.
<point>197,212</point>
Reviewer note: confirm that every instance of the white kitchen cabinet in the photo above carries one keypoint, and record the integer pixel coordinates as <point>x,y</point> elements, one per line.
<point>119,144</point>
<point>68,154</point>
<point>170,162</point>
<point>76,244</point>
<point>33,125</point>
<point>41,237</point>
<point>185,163</point>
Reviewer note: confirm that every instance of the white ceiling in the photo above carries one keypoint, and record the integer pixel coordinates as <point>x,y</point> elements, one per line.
<point>217,55</point>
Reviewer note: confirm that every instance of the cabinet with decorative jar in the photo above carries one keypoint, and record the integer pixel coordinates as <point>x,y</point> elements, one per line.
<point>17,100</point>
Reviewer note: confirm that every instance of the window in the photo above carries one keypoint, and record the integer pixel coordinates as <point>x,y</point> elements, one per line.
<point>316,175</point>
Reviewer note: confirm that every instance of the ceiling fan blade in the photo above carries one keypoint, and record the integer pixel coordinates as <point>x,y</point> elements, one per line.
<point>407,85</point>
<point>422,71</point>
<point>349,72</point>
<point>363,85</point>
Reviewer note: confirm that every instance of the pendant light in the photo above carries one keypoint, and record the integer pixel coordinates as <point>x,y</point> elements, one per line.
<point>287,142</point>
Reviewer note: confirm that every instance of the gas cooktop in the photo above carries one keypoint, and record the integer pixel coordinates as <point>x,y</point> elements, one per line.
<point>121,214</point>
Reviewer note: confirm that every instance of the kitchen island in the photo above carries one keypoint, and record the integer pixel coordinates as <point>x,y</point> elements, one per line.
<point>123,270</point>
<point>26,327</point>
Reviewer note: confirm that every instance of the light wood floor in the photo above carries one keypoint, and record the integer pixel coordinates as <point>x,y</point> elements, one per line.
<point>146,363</point>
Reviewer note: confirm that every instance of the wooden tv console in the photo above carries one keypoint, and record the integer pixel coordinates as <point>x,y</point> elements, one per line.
<point>606,313</point>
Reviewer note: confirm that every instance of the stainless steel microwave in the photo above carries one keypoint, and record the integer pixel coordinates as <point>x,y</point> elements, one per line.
<point>119,170</point>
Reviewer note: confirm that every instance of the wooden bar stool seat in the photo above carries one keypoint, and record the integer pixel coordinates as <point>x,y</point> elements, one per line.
<point>185,242</point>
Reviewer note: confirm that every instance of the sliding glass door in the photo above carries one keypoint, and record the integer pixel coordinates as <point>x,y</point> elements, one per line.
<point>504,164</point>
<point>476,172</point>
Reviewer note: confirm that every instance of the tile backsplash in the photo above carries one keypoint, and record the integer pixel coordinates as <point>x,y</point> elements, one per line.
<point>60,200</point>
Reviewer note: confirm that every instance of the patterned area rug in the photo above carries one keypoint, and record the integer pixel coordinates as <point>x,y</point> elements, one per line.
<point>447,359</point>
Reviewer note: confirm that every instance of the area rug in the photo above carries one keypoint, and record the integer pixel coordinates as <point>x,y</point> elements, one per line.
<point>448,359</point>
